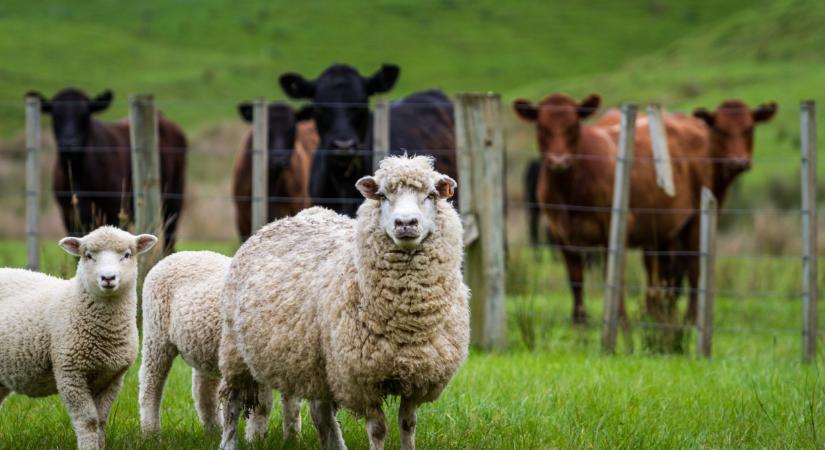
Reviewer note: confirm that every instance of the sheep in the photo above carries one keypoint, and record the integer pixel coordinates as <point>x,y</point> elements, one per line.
<point>182,316</point>
<point>345,312</point>
<point>74,337</point>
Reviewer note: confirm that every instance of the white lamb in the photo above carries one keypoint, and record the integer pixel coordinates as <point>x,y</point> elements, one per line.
<point>347,312</point>
<point>74,337</point>
<point>182,316</point>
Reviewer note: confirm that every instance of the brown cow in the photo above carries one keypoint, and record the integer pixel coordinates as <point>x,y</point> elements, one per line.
<point>718,145</point>
<point>575,187</point>
<point>92,177</point>
<point>291,141</point>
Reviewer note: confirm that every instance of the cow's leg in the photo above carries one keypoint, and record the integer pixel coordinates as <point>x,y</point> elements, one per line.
<point>575,275</point>
<point>691,242</point>
<point>205,394</point>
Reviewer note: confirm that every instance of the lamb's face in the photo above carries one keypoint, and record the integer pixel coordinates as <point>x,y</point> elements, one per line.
<point>407,212</point>
<point>107,259</point>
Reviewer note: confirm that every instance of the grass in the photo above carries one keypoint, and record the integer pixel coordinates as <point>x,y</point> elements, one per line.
<point>564,393</point>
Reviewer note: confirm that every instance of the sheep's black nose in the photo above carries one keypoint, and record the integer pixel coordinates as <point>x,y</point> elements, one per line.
<point>411,222</point>
<point>108,279</point>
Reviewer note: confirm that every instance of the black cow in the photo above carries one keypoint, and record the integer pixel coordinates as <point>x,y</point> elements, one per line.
<point>420,124</point>
<point>92,177</point>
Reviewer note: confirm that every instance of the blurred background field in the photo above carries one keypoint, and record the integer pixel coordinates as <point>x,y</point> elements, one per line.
<point>552,388</point>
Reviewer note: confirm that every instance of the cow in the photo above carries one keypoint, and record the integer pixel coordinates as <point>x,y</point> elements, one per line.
<point>291,142</point>
<point>420,124</point>
<point>575,188</point>
<point>92,175</point>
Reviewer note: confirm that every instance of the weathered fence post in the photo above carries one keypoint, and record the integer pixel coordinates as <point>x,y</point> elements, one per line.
<point>809,272</point>
<point>33,183</point>
<point>260,181</point>
<point>661,154</point>
<point>707,279</point>
<point>143,132</point>
<point>480,148</point>
<point>380,132</point>
<point>614,283</point>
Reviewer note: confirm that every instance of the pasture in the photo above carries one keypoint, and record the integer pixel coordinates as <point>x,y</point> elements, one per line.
<point>553,387</point>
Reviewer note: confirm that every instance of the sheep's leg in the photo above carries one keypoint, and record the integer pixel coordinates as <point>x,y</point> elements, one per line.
<point>329,432</point>
<point>376,427</point>
<point>231,415</point>
<point>258,419</point>
<point>103,403</point>
<point>154,368</point>
<point>4,392</point>
<point>292,416</point>
<point>77,398</point>
<point>205,394</point>
<point>406,423</point>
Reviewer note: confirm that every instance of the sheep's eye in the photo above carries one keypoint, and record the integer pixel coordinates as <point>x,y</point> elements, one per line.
<point>381,196</point>
<point>127,255</point>
<point>433,195</point>
<point>89,256</point>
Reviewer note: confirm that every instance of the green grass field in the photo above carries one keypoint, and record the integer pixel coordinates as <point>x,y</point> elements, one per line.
<point>563,393</point>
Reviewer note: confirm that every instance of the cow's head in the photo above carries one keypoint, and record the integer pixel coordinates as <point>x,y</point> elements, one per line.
<point>340,96</point>
<point>71,110</point>
<point>281,120</point>
<point>731,132</point>
<point>558,125</point>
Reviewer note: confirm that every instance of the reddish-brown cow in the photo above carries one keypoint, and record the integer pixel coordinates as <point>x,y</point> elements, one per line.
<point>291,142</point>
<point>575,187</point>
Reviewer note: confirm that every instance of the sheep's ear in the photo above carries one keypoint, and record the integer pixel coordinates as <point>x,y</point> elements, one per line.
<point>368,187</point>
<point>71,245</point>
<point>446,187</point>
<point>145,242</point>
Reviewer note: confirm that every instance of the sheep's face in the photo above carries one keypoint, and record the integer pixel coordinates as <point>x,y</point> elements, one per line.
<point>107,259</point>
<point>407,213</point>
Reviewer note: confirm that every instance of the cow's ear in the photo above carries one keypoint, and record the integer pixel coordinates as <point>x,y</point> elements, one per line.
<point>383,80</point>
<point>245,110</point>
<point>589,106</point>
<point>368,187</point>
<point>307,112</point>
<point>525,109</point>
<point>45,105</point>
<point>704,114</point>
<point>764,112</point>
<point>101,102</point>
<point>296,86</point>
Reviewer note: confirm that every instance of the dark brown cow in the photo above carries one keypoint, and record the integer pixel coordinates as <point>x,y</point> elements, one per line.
<point>92,178</point>
<point>291,143</point>
<point>575,187</point>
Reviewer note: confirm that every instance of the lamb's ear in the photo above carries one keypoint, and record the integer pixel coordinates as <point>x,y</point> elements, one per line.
<point>445,187</point>
<point>145,242</point>
<point>71,245</point>
<point>368,187</point>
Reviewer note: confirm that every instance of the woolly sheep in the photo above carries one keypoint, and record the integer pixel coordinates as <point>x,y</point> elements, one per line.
<point>74,337</point>
<point>347,312</point>
<point>182,316</point>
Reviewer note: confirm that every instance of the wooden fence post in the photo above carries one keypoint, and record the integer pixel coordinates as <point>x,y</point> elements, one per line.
<point>480,148</point>
<point>661,154</point>
<point>33,183</point>
<point>143,132</point>
<point>809,271</point>
<point>260,174</point>
<point>380,132</point>
<point>707,279</point>
<point>614,283</point>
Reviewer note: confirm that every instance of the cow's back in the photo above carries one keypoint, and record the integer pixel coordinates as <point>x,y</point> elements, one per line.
<point>423,124</point>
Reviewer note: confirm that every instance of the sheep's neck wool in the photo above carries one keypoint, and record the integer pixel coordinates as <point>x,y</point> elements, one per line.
<point>405,296</point>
